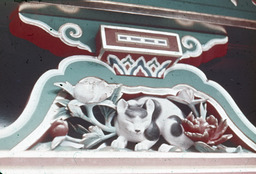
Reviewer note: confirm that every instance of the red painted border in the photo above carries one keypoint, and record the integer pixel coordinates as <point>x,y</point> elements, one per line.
<point>41,38</point>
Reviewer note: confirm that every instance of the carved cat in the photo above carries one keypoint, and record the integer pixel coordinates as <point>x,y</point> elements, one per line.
<point>144,119</point>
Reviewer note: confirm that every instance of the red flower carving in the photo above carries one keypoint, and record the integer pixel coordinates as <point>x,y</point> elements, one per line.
<point>206,130</point>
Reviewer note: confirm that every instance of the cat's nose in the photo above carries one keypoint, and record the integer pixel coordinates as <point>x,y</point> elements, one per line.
<point>137,131</point>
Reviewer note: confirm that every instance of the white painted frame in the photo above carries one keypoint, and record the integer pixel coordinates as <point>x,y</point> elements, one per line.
<point>140,50</point>
<point>142,40</point>
<point>126,162</point>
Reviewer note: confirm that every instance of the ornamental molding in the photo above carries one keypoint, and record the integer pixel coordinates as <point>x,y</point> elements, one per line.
<point>131,53</point>
<point>121,162</point>
<point>69,33</point>
<point>174,86</point>
<point>74,38</point>
<point>191,42</point>
<point>128,66</point>
<point>127,91</point>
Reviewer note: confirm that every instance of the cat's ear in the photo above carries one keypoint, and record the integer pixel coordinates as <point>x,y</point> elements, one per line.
<point>122,105</point>
<point>150,106</point>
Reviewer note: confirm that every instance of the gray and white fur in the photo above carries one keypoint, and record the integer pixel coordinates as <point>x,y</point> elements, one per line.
<point>143,120</point>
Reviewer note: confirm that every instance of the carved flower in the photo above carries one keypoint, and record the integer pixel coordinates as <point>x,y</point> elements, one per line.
<point>92,90</point>
<point>186,96</point>
<point>59,128</point>
<point>206,130</point>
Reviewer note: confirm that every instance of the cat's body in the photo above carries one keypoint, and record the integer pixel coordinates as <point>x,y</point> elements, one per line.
<point>144,119</point>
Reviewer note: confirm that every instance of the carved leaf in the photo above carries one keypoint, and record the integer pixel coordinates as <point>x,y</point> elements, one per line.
<point>57,141</point>
<point>203,147</point>
<point>203,110</point>
<point>63,102</point>
<point>77,129</point>
<point>116,95</point>
<point>108,103</point>
<point>108,107</point>
<point>94,137</point>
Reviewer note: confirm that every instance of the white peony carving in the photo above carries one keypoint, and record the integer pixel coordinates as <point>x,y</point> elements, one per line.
<point>92,90</point>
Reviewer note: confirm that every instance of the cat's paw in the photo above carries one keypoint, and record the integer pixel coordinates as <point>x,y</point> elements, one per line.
<point>141,146</point>
<point>118,144</point>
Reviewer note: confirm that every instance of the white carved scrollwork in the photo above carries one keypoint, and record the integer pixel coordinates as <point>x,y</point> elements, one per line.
<point>69,33</point>
<point>193,45</point>
<point>195,48</point>
<point>74,31</point>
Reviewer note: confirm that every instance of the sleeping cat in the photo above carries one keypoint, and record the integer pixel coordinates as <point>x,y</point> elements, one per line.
<point>144,119</point>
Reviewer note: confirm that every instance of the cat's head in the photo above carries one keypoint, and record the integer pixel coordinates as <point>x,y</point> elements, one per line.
<point>135,118</point>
